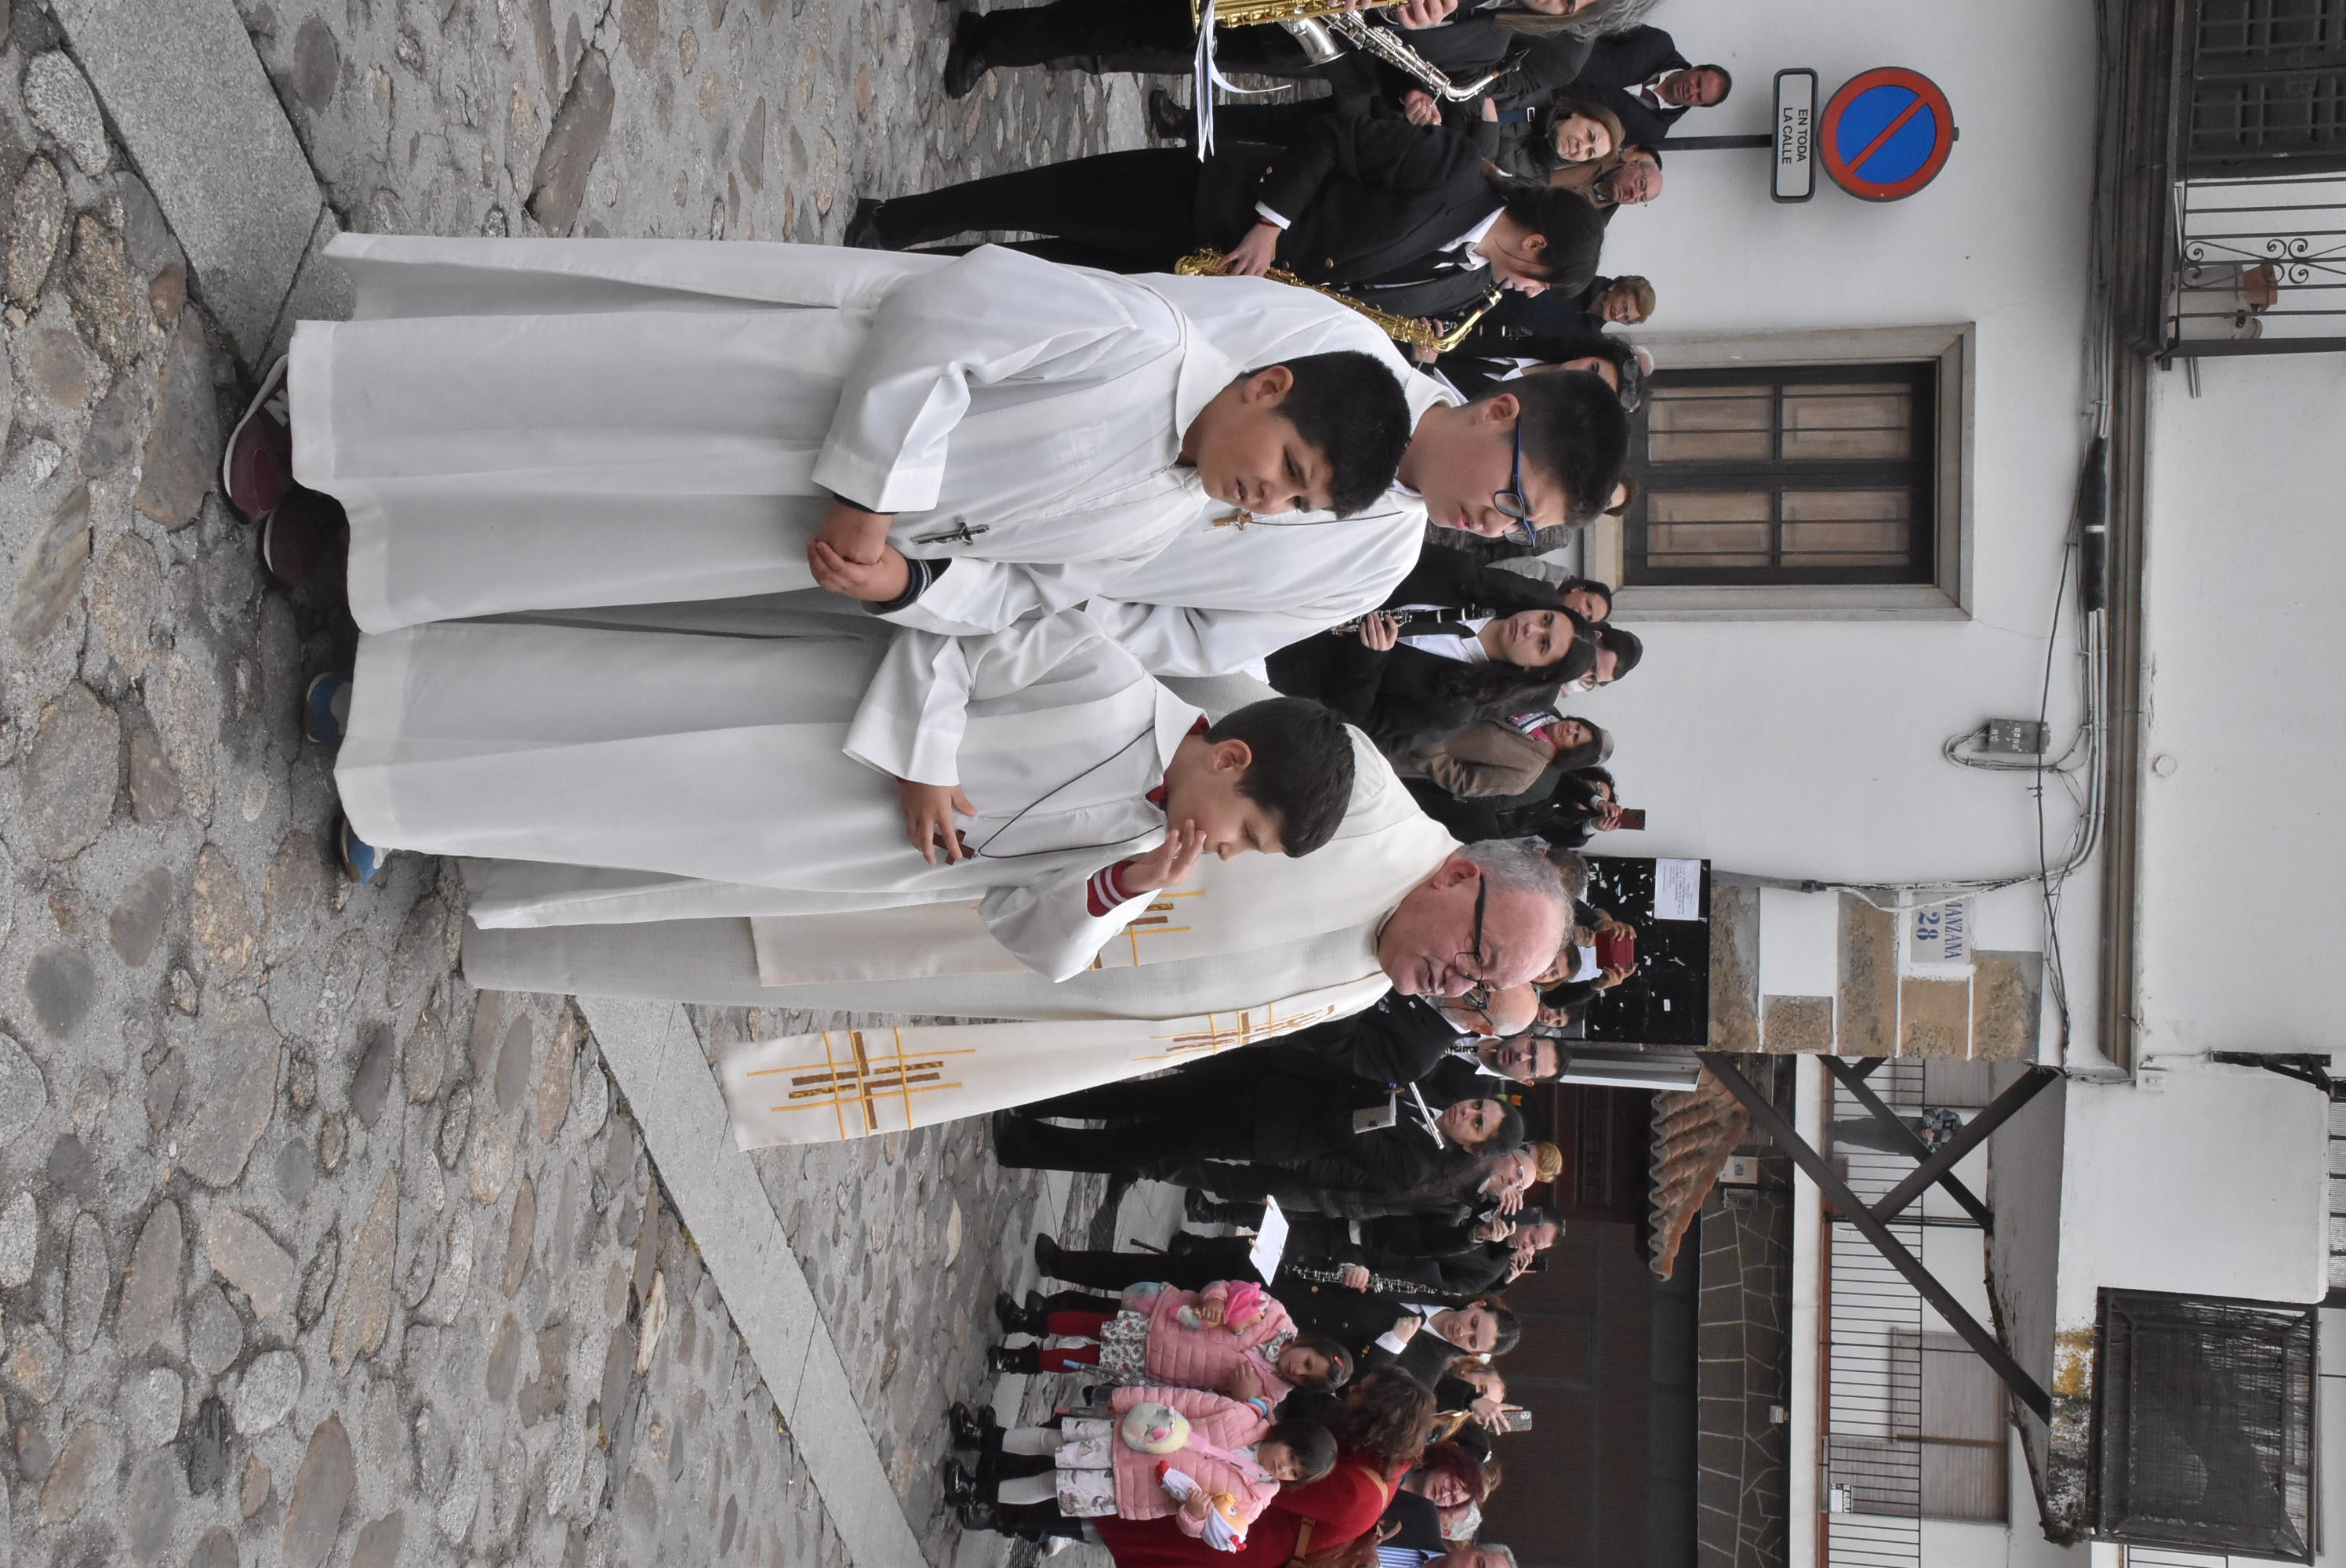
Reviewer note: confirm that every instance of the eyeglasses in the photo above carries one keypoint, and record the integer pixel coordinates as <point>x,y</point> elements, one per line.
<point>1479,995</point>
<point>1510,501</point>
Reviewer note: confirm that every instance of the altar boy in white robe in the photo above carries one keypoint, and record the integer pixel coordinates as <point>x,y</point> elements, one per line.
<point>530,425</point>
<point>1038,772</point>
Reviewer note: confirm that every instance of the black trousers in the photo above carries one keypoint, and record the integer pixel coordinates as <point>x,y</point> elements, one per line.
<point>1217,1080</point>
<point>1128,211</point>
<point>1153,36</point>
<point>1218,1258</point>
<point>1175,1137</point>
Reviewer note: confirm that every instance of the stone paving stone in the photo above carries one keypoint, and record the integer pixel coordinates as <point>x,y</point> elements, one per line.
<point>181,82</point>
<point>212,1022</point>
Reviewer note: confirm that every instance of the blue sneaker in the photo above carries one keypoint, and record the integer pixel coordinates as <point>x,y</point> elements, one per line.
<point>361,859</point>
<point>326,707</point>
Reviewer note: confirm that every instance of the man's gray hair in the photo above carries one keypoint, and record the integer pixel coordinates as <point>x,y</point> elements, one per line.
<point>1571,867</point>
<point>1521,865</point>
<point>1506,1554</point>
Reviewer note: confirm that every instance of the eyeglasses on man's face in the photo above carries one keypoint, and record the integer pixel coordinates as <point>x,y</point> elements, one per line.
<point>1471,963</point>
<point>1510,501</point>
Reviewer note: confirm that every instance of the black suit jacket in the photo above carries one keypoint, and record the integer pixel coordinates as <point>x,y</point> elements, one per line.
<point>1394,695</point>
<point>1446,576</point>
<point>1398,1041</point>
<point>1620,62</point>
<point>1354,1318</point>
<point>1369,202</point>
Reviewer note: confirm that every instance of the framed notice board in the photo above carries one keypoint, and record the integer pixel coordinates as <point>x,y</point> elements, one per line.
<point>1667,1001</point>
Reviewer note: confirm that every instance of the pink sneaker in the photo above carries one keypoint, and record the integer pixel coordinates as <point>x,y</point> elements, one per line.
<point>257,469</point>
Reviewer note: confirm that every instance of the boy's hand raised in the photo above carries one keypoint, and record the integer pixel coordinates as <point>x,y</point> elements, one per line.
<point>1168,863</point>
<point>877,581</point>
<point>929,819</point>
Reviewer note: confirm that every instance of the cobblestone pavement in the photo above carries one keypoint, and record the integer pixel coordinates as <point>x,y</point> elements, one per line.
<point>309,1254</point>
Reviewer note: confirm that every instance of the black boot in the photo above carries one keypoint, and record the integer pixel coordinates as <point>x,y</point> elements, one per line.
<point>971,1430</point>
<point>960,1487</point>
<point>1169,119</point>
<point>1048,1254</point>
<point>1204,1208</point>
<point>1018,1318</point>
<point>1015,1358</point>
<point>977,1516</point>
<point>863,231</point>
<point>965,62</point>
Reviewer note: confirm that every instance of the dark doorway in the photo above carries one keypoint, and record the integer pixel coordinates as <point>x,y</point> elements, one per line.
<point>1605,1477</point>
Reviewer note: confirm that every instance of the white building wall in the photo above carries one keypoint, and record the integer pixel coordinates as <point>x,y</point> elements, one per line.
<point>2214,1184</point>
<point>1811,749</point>
<point>2243,829</point>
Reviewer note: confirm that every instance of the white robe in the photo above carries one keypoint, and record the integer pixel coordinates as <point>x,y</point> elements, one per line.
<point>1218,599</point>
<point>1246,951</point>
<point>620,776</point>
<point>519,425</point>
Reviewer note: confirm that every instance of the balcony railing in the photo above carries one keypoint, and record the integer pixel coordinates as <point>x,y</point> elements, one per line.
<point>2260,266</point>
<point>2257,257</point>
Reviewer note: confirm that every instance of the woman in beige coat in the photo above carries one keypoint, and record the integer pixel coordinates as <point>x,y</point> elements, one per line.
<point>1505,756</point>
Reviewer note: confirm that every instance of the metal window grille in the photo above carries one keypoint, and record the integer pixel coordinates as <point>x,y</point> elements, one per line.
<point>2337,1194</point>
<point>1800,474</point>
<point>2268,85</point>
<point>2204,1425</point>
<point>1913,1420</point>
<point>1873,1362</point>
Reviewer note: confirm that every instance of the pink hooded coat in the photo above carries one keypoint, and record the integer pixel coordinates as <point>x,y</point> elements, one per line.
<point>1223,1423</point>
<point>1204,1358</point>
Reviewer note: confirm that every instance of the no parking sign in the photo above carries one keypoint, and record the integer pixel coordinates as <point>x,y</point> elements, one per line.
<point>1886,134</point>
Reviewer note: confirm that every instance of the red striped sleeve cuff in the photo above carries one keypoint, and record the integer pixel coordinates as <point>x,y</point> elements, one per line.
<point>1105,889</point>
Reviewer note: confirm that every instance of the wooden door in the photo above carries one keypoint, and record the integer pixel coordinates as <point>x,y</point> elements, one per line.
<point>1604,1478</point>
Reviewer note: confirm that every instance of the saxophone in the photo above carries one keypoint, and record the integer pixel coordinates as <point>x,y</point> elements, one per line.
<point>1401,329</point>
<point>1317,23</point>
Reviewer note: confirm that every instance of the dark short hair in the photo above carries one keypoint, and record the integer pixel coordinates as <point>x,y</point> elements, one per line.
<point>1726,77</point>
<point>1339,1359</point>
<point>1350,406</point>
<point>1532,1214</point>
<point>1626,647</point>
<point>1508,1136</point>
<point>1569,222</point>
<point>1574,431</point>
<point>1303,767</point>
<point>1313,1445</point>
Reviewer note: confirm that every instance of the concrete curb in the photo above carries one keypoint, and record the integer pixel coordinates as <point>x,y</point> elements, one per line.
<point>657,1058</point>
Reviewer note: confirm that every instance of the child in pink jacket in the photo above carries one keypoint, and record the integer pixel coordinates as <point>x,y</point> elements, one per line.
<point>1212,1480</point>
<point>1230,1338</point>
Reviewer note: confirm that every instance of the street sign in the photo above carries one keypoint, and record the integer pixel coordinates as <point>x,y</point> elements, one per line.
<point>1795,143</point>
<point>1886,134</point>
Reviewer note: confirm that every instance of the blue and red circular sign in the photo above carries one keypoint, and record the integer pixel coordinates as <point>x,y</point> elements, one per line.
<point>1886,134</point>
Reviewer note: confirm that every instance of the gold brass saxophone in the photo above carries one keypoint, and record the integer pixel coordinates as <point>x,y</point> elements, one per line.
<point>1401,329</point>
<point>1317,23</point>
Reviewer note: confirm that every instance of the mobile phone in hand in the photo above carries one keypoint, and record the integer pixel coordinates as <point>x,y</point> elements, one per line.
<point>1512,1419</point>
<point>1632,819</point>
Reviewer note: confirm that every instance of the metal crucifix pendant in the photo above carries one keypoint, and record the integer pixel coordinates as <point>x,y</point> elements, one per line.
<point>1239,520</point>
<point>961,533</point>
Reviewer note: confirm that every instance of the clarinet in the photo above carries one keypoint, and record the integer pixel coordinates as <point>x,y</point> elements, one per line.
<point>1400,617</point>
<point>1378,1284</point>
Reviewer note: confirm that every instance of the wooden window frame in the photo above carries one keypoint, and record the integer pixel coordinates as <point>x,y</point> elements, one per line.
<point>1947,596</point>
